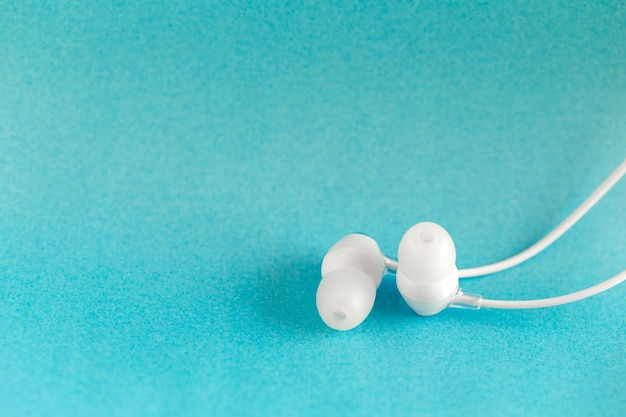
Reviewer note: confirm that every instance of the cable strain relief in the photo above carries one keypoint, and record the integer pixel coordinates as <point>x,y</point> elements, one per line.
<point>466,300</point>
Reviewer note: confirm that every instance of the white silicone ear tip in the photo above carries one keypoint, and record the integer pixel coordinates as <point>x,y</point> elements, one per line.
<point>345,298</point>
<point>426,252</point>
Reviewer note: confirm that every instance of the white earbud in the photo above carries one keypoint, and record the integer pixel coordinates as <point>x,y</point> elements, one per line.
<point>426,272</point>
<point>351,272</point>
<point>427,277</point>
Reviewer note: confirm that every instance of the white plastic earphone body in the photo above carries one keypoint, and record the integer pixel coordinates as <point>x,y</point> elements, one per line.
<point>426,272</point>
<point>351,272</point>
<point>427,277</point>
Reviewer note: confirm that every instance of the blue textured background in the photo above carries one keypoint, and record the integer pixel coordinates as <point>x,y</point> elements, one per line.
<point>172,174</point>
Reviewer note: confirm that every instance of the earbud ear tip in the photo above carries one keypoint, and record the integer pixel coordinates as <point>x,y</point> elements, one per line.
<point>345,298</point>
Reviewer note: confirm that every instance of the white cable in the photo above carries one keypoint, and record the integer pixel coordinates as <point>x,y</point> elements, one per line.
<point>612,179</point>
<point>555,301</point>
<point>550,237</point>
<point>390,264</point>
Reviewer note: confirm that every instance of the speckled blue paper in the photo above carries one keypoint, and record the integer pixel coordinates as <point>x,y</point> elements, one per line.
<point>171,175</point>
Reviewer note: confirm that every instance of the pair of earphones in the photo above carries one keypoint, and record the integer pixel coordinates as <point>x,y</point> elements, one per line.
<point>426,273</point>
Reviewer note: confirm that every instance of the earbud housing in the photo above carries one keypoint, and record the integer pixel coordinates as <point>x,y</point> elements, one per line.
<point>351,272</point>
<point>427,277</point>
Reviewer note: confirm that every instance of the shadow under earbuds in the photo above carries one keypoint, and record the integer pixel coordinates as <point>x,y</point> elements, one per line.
<point>286,294</point>
<point>286,297</point>
<point>389,303</point>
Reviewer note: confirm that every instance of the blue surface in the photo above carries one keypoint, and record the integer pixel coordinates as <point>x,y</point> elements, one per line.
<point>171,176</point>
